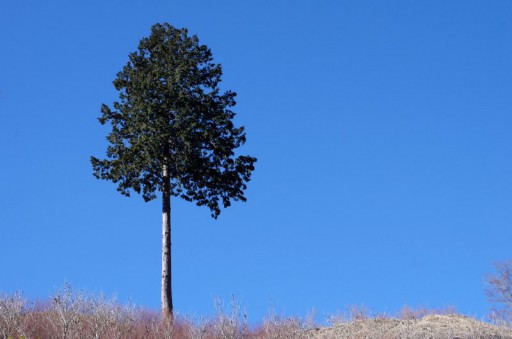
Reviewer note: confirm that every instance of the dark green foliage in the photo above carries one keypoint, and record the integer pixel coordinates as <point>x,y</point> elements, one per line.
<point>172,114</point>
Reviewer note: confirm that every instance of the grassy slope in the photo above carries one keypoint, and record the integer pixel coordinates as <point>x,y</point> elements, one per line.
<point>72,314</point>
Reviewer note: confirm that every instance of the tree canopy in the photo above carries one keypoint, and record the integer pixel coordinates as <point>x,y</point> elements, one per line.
<point>172,115</point>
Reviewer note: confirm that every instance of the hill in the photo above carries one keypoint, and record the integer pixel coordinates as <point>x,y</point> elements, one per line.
<point>430,326</point>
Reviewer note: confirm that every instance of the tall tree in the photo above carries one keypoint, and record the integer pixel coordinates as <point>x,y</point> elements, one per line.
<point>172,132</point>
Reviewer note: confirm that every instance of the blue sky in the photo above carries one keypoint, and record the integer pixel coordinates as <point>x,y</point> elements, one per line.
<point>382,131</point>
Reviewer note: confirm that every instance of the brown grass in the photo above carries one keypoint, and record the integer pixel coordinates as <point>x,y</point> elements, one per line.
<point>73,314</point>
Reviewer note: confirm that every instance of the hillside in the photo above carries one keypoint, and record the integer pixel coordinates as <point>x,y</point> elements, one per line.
<point>430,326</point>
<point>75,314</point>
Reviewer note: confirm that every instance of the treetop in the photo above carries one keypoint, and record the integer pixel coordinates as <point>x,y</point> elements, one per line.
<point>171,114</point>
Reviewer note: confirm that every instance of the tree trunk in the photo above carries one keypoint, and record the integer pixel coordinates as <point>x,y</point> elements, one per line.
<point>167,310</point>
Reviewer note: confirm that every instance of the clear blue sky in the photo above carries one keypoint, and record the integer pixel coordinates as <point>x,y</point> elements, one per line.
<point>383,132</point>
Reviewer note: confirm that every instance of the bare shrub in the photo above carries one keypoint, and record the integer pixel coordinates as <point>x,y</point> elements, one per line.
<point>352,313</point>
<point>410,313</point>
<point>35,322</point>
<point>282,327</point>
<point>197,329</point>
<point>360,312</point>
<point>275,326</point>
<point>231,324</point>
<point>64,314</point>
<point>74,314</point>
<point>123,319</point>
<point>151,324</point>
<point>499,292</point>
<point>147,325</point>
<point>11,315</point>
<point>98,316</point>
<point>107,317</point>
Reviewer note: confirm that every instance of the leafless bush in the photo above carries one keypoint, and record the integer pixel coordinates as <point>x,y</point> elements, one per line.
<point>232,324</point>
<point>107,317</point>
<point>70,314</point>
<point>100,316</point>
<point>410,313</point>
<point>360,312</point>
<point>35,322</point>
<point>198,328</point>
<point>353,313</point>
<point>75,314</point>
<point>64,315</point>
<point>11,315</point>
<point>275,326</point>
<point>150,325</point>
<point>499,292</point>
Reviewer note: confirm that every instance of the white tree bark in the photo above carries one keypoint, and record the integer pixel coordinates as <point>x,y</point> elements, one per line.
<point>166,293</point>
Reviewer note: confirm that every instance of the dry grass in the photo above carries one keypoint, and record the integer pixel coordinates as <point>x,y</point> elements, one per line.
<point>73,314</point>
<point>410,323</point>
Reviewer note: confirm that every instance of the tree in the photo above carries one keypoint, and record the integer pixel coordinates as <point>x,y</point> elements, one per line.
<point>172,132</point>
<point>499,292</point>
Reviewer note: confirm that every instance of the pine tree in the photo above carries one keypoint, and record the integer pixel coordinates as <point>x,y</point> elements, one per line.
<point>173,132</point>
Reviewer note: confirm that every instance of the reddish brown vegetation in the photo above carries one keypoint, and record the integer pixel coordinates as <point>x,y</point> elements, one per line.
<point>72,314</point>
